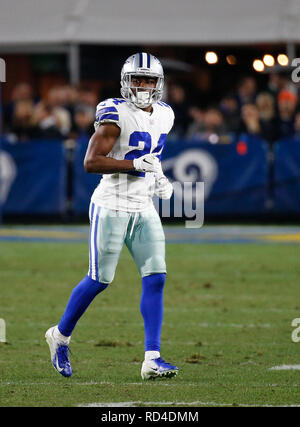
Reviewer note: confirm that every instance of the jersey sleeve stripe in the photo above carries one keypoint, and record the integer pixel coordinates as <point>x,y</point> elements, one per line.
<point>106,110</point>
<point>107,116</point>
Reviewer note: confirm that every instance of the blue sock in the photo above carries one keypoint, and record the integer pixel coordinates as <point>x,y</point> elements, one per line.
<point>152,309</point>
<point>81,297</point>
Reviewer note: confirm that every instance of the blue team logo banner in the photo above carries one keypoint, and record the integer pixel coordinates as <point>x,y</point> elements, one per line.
<point>83,183</point>
<point>287,176</point>
<point>234,175</point>
<point>33,177</point>
<point>237,176</point>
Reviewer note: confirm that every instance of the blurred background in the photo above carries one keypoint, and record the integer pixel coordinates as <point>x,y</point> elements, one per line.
<point>229,76</point>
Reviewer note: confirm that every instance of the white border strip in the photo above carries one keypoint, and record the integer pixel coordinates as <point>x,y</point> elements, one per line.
<point>174,404</point>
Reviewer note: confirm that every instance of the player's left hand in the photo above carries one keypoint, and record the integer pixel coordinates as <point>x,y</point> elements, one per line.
<point>163,187</point>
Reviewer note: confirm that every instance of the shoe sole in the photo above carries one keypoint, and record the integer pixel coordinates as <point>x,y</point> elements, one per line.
<point>166,374</point>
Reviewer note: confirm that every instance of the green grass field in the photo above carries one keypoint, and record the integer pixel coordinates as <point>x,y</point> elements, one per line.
<point>227,321</point>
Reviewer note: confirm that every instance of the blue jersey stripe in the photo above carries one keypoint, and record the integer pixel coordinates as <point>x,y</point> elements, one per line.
<point>108,116</point>
<point>106,110</point>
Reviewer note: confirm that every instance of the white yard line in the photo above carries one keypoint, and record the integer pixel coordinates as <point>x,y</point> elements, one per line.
<point>175,404</point>
<point>285,368</point>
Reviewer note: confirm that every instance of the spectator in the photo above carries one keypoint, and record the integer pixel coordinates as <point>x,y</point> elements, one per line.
<point>250,119</point>
<point>278,82</point>
<point>197,117</point>
<point>71,93</point>
<point>58,99</point>
<point>267,116</point>
<point>22,121</point>
<point>275,84</point>
<point>229,108</point>
<point>45,122</point>
<point>246,92</point>
<point>207,126</point>
<point>256,120</point>
<point>83,121</point>
<point>177,100</point>
<point>214,121</point>
<point>287,102</point>
<point>87,96</point>
<point>21,92</point>
<point>202,90</point>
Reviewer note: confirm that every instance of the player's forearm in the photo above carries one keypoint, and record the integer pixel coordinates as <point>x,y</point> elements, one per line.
<point>102,164</point>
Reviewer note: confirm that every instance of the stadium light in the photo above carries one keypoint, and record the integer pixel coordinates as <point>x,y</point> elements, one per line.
<point>211,57</point>
<point>231,59</point>
<point>283,60</point>
<point>269,60</point>
<point>258,65</point>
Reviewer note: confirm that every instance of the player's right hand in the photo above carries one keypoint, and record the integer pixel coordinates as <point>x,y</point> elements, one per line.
<point>147,163</point>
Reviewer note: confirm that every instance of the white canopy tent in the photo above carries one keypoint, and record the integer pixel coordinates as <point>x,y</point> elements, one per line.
<point>156,21</point>
<point>61,25</point>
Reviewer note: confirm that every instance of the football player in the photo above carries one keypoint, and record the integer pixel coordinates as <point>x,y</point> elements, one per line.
<point>126,148</point>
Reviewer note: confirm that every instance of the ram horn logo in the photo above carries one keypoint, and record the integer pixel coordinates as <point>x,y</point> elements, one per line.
<point>194,166</point>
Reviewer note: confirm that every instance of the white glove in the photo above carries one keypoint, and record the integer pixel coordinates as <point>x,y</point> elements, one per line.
<point>163,187</point>
<point>147,163</point>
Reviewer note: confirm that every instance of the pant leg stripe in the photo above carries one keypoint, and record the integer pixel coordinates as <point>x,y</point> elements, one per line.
<point>96,276</point>
<point>90,242</point>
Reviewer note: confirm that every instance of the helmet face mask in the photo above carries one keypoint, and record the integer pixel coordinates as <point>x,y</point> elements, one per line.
<point>147,66</point>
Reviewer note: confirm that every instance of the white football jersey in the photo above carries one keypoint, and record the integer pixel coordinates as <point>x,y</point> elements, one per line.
<point>141,133</point>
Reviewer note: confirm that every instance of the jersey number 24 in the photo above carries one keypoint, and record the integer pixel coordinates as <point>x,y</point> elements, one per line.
<point>134,140</point>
